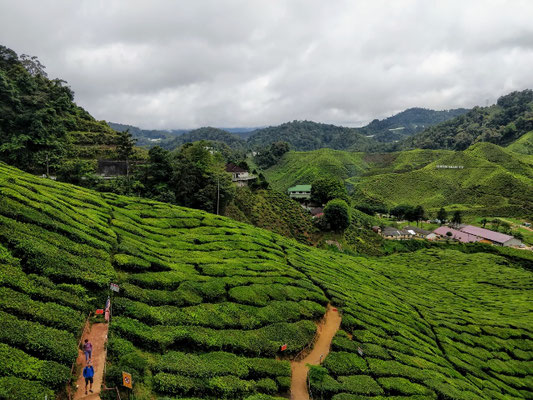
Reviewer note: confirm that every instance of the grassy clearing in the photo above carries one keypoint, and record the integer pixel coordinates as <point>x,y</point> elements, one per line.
<point>205,303</point>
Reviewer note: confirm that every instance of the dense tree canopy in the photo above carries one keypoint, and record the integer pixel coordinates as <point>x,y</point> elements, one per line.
<point>337,214</point>
<point>326,189</point>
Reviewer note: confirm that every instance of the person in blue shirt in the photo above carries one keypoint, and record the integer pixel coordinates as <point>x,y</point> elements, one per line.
<point>88,373</point>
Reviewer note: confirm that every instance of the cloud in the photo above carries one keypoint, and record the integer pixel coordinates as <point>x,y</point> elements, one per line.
<point>167,64</point>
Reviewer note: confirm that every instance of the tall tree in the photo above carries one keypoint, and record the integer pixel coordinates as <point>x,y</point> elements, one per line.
<point>337,214</point>
<point>442,215</point>
<point>420,214</point>
<point>125,148</point>
<point>326,189</point>
<point>457,218</point>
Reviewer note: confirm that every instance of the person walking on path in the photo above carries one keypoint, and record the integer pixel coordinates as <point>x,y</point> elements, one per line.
<point>88,373</point>
<point>88,350</point>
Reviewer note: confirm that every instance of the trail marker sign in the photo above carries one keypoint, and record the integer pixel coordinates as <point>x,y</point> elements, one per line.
<point>126,380</point>
<point>283,347</point>
<point>114,287</point>
<point>99,311</point>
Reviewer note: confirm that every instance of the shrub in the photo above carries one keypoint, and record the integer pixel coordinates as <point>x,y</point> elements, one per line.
<point>12,388</point>
<point>361,384</point>
<point>48,343</point>
<point>17,363</point>
<point>342,363</point>
<point>266,385</point>
<point>403,386</point>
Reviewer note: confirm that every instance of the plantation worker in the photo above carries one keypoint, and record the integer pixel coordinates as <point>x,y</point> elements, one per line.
<point>88,350</point>
<point>88,373</point>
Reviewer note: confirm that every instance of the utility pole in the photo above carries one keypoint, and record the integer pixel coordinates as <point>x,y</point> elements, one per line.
<point>218,193</point>
<point>47,166</point>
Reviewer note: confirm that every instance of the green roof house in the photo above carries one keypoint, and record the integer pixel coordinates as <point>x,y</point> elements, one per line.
<point>300,192</point>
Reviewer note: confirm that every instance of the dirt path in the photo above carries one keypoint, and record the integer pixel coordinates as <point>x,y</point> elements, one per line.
<point>326,330</point>
<point>97,335</point>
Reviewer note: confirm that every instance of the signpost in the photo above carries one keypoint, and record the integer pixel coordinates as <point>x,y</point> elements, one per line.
<point>99,311</point>
<point>114,287</point>
<point>126,380</point>
<point>283,347</point>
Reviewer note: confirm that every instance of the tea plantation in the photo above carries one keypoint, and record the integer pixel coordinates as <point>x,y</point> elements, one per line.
<point>205,303</point>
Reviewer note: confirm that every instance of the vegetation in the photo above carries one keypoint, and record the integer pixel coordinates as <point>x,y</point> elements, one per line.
<point>506,121</point>
<point>337,214</point>
<point>492,180</point>
<point>407,123</point>
<point>42,130</point>
<point>206,301</point>
<point>308,135</point>
<point>209,134</point>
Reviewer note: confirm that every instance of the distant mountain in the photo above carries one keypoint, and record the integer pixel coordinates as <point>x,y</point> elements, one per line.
<point>407,123</point>
<point>209,133</point>
<point>503,123</point>
<point>147,137</point>
<point>308,135</point>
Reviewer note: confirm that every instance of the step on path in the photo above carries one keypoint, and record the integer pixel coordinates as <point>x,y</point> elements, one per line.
<point>97,335</point>
<point>327,328</point>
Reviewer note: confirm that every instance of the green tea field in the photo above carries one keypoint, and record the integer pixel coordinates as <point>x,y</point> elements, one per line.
<point>206,302</point>
<point>491,179</point>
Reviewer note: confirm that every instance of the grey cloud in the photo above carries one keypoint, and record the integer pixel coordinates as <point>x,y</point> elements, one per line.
<point>167,64</point>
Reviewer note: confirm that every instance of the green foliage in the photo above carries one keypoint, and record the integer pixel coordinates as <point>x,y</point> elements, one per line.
<point>501,123</point>
<point>308,135</point>
<point>337,214</point>
<point>12,388</point>
<point>269,156</point>
<point>326,189</point>
<point>205,303</point>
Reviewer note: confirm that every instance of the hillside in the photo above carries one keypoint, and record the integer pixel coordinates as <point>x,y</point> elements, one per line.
<point>41,125</point>
<point>493,180</point>
<point>205,303</point>
<point>308,135</point>
<point>407,123</point>
<point>147,137</point>
<point>209,134</point>
<point>524,145</point>
<point>272,210</point>
<point>506,121</point>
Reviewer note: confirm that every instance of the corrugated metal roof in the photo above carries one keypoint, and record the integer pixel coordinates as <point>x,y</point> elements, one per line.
<point>300,188</point>
<point>486,234</point>
<point>463,237</point>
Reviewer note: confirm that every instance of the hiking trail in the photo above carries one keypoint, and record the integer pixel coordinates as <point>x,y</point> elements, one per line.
<point>327,328</point>
<point>97,335</point>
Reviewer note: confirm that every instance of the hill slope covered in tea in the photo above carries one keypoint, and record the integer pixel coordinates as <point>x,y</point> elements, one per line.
<point>205,303</point>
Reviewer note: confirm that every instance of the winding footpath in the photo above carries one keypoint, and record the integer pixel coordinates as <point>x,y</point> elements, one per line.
<point>327,328</point>
<point>97,335</point>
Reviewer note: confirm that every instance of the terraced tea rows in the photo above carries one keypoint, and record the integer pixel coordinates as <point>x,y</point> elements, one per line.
<point>205,303</point>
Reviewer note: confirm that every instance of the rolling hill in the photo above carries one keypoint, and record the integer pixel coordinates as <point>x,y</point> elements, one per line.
<point>502,123</point>
<point>407,123</point>
<point>209,134</point>
<point>493,180</point>
<point>206,302</point>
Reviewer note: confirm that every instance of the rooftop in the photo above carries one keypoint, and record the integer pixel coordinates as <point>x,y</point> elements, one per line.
<point>230,167</point>
<point>300,188</point>
<point>463,237</point>
<point>486,234</point>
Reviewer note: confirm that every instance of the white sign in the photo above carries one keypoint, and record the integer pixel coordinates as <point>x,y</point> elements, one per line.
<point>114,287</point>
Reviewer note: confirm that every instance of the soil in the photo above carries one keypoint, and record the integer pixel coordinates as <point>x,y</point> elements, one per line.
<point>327,328</point>
<point>97,335</point>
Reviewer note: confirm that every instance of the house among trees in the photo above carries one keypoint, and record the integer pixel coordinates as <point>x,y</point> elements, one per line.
<point>416,231</point>
<point>239,175</point>
<point>390,232</point>
<point>300,192</point>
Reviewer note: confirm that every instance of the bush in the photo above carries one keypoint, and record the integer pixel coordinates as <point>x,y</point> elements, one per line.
<point>48,343</point>
<point>12,388</point>
<point>342,363</point>
<point>361,384</point>
<point>17,363</point>
<point>337,214</point>
<point>403,386</point>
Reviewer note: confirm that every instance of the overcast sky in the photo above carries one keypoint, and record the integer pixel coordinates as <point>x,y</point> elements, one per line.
<point>227,63</point>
